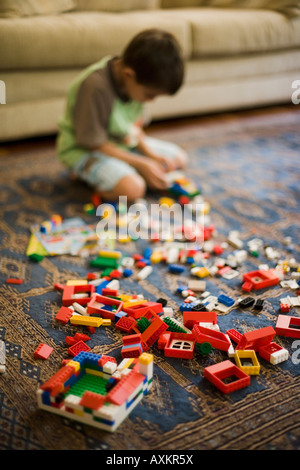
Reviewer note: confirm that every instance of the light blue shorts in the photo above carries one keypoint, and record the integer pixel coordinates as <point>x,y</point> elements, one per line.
<point>103,173</point>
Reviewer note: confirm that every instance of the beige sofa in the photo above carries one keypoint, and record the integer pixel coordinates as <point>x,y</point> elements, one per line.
<point>239,54</point>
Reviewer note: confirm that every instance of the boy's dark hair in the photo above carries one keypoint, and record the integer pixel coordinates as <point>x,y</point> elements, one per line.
<point>156,58</point>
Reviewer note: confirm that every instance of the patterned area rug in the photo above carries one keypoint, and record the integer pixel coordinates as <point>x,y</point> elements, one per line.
<point>248,170</point>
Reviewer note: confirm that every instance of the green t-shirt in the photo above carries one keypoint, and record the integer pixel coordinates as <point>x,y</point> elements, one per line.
<point>95,113</point>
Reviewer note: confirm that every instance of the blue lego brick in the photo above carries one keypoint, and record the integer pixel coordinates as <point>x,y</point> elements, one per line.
<point>127,272</point>
<point>176,268</point>
<point>224,299</point>
<point>46,398</point>
<point>181,288</point>
<point>120,315</point>
<point>101,286</point>
<point>147,253</point>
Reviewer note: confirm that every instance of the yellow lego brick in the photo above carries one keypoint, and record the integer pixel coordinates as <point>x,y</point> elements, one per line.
<point>106,322</point>
<point>166,201</point>
<point>78,412</point>
<point>86,320</point>
<point>202,272</point>
<point>128,363</point>
<point>146,358</point>
<point>125,297</point>
<point>124,239</point>
<point>156,257</point>
<point>252,367</point>
<point>74,364</point>
<point>133,303</point>
<point>110,254</point>
<point>77,282</point>
<point>94,372</point>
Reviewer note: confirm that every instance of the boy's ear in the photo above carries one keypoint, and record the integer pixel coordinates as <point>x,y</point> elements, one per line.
<point>129,73</point>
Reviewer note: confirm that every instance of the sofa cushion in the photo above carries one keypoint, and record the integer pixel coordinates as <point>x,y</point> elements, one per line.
<point>19,8</point>
<point>287,7</point>
<point>116,5</point>
<point>219,32</point>
<point>78,39</point>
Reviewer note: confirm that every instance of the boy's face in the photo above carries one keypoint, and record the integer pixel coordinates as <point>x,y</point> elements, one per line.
<point>138,92</point>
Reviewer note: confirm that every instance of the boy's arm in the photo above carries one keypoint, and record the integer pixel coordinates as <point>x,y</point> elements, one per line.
<point>148,168</point>
<point>166,163</point>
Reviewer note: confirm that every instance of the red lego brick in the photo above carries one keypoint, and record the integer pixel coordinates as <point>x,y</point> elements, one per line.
<point>126,324</point>
<point>157,327</point>
<point>104,359</point>
<point>288,326</point>
<point>261,279</point>
<point>81,337</point>
<point>133,350</point>
<point>70,291</point>
<point>14,281</point>
<point>191,317</point>
<point>58,286</point>
<point>285,308</point>
<point>109,292</point>
<point>268,350</point>
<point>70,340</point>
<point>132,339</point>
<point>137,311</point>
<point>115,274</point>
<point>256,338</point>
<point>43,351</point>
<point>122,390</point>
<point>234,335</point>
<point>219,374</point>
<point>56,383</point>
<point>64,314</point>
<point>92,400</point>
<point>217,339</point>
<point>77,348</point>
<point>98,303</point>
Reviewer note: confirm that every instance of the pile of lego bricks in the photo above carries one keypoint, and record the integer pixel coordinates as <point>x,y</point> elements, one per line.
<point>99,301</point>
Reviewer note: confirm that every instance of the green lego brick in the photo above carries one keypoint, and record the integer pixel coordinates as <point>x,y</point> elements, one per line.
<point>88,382</point>
<point>102,262</point>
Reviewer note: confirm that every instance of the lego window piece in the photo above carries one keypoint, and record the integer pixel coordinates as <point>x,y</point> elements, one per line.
<point>87,390</point>
<point>79,294</point>
<point>260,279</point>
<point>288,326</point>
<point>107,307</point>
<point>226,376</point>
<point>247,361</point>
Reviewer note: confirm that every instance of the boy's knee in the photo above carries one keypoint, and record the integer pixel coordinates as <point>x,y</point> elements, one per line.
<point>132,186</point>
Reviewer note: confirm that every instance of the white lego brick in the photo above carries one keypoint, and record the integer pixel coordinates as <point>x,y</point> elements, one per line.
<point>211,326</point>
<point>197,286</point>
<point>127,262</point>
<point>79,308</point>
<point>110,367</point>
<point>144,273</point>
<point>114,284</point>
<point>291,283</point>
<point>2,357</point>
<point>168,312</point>
<point>279,356</point>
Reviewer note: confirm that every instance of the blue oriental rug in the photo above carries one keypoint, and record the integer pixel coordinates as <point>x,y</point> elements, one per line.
<point>247,167</point>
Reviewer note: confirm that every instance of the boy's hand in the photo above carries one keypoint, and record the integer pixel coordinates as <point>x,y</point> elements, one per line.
<point>152,173</point>
<point>165,163</point>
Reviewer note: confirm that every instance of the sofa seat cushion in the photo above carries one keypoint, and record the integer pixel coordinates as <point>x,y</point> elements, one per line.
<point>78,39</point>
<point>219,32</point>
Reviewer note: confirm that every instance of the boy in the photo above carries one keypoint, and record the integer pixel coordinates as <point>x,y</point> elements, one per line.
<point>101,138</point>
